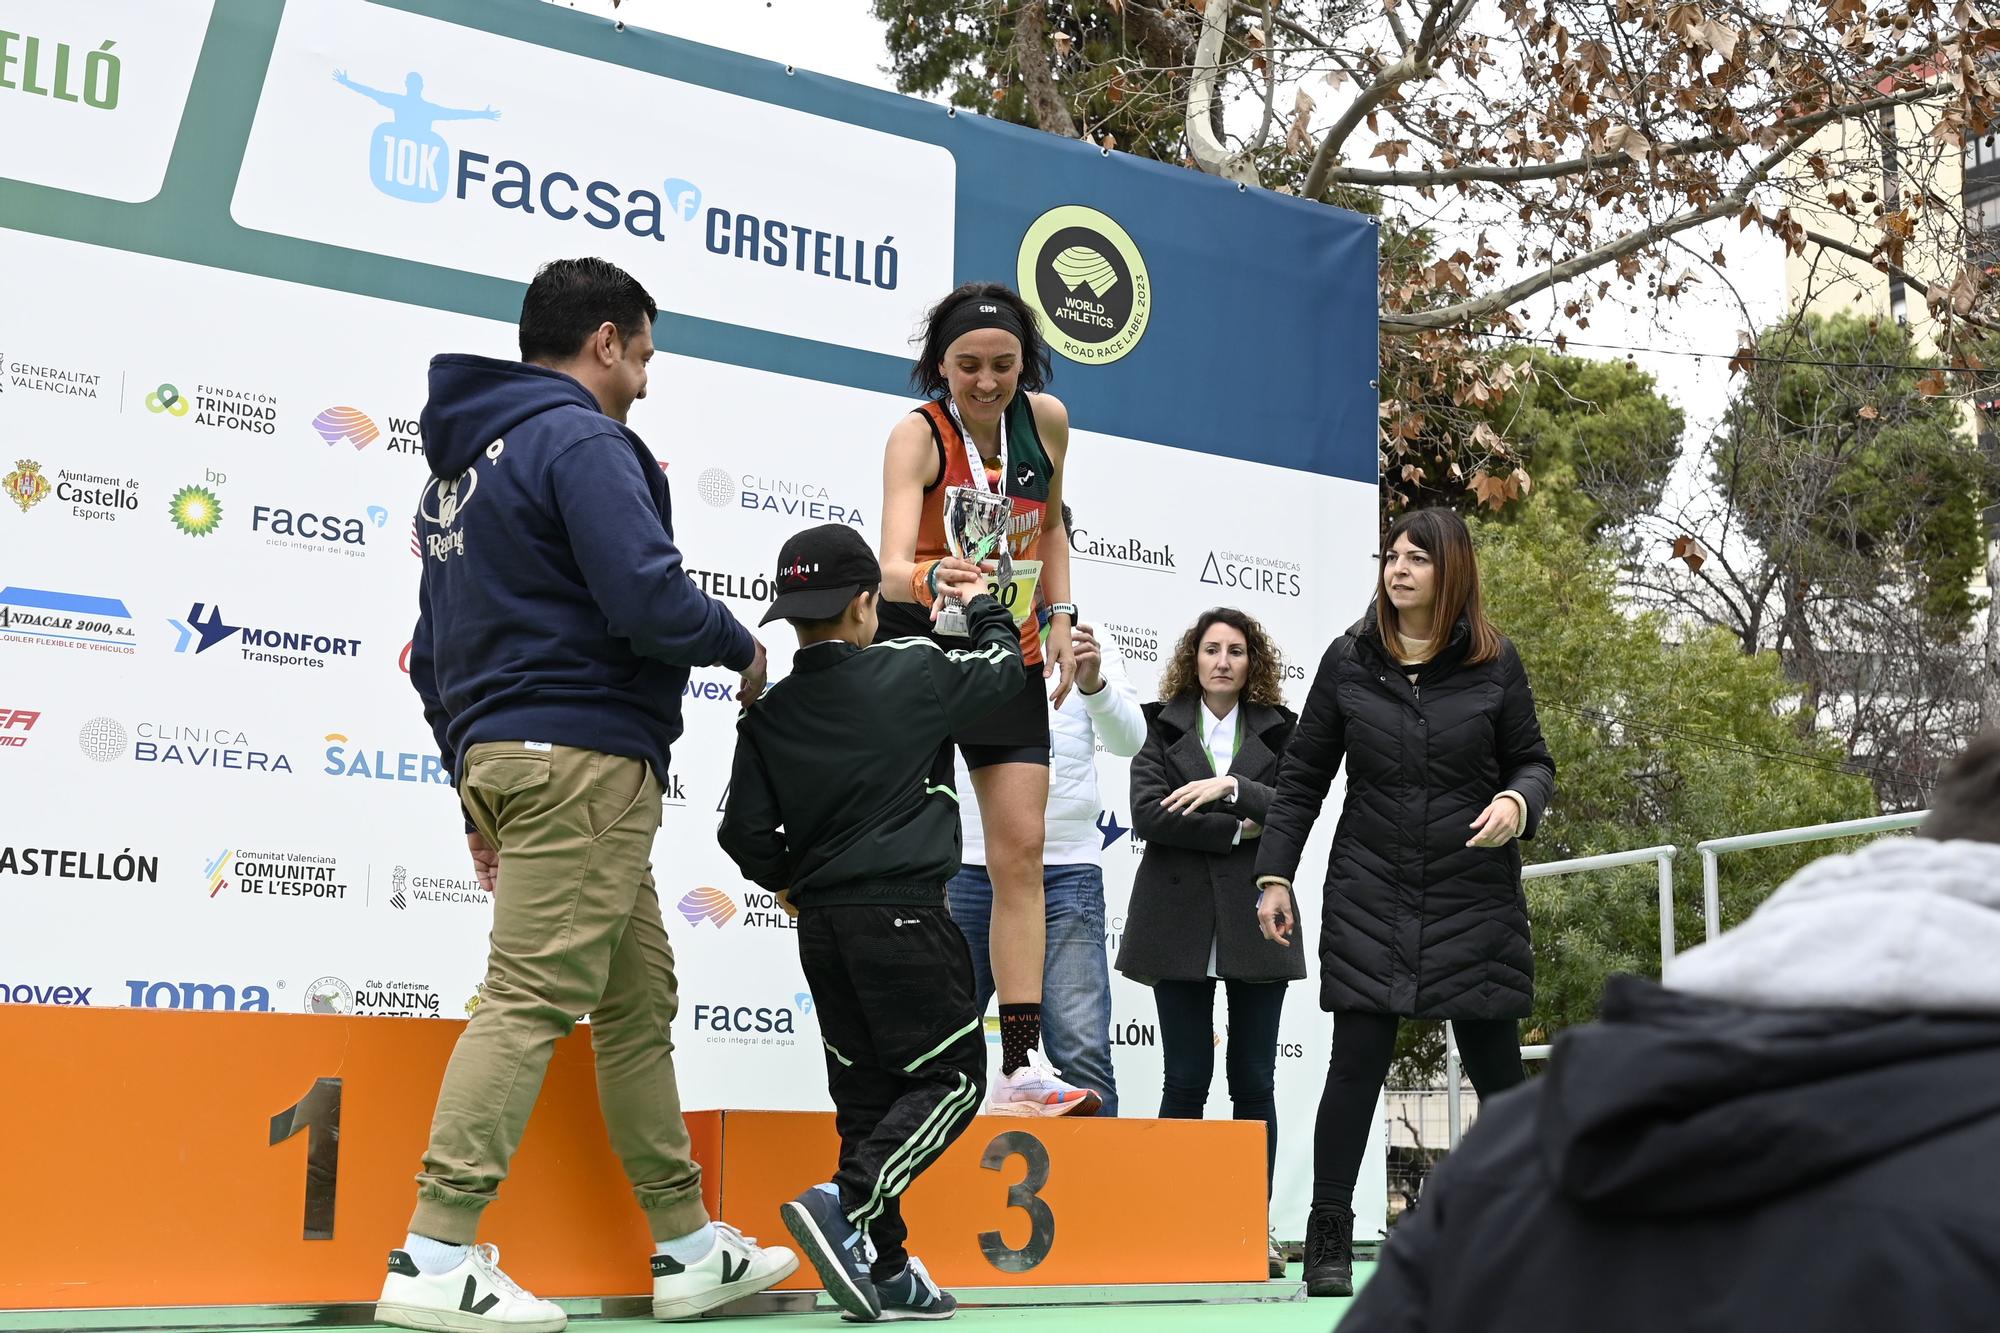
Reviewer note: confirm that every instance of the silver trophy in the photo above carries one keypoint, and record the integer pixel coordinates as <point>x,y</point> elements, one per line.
<point>975,528</point>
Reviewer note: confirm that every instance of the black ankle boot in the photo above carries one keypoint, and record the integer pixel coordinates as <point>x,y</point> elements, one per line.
<point>1330,1251</point>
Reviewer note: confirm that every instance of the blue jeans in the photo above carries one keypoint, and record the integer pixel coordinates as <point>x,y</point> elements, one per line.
<point>1076,978</point>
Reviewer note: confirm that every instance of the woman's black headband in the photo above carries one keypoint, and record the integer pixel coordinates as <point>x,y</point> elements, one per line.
<point>979,312</point>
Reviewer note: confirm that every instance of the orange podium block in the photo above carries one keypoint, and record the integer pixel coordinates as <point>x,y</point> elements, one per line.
<point>159,1158</point>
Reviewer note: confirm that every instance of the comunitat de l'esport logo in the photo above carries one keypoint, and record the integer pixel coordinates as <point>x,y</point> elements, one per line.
<point>1085,276</point>
<point>409,160</point>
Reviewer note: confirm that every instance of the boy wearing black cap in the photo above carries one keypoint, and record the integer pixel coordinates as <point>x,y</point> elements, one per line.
<point>841,802</point>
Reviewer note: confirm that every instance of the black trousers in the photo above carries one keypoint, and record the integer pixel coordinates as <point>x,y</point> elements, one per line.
<point>1364,1045</point>
<point>905,1051</point>
<point>1187,1043</point>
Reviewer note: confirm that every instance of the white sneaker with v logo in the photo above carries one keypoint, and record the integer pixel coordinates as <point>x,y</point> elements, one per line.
<point>734,1267</point>
<point>475,1297</point>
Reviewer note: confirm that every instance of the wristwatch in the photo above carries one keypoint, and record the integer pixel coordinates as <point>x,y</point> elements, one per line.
<point>1064,609</point>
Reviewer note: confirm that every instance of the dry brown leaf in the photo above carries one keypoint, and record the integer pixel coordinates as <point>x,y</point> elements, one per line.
<point>1688,551</point>
<point>1933,385</point>
<point>1062,42</point>
<point>1868,412</point>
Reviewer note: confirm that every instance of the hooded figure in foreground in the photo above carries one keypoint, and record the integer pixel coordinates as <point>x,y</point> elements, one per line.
<point>1799,1130</point>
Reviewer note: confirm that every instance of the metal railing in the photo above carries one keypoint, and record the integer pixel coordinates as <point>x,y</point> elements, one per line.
<point>1664,856</point>
<point>1712,850</point>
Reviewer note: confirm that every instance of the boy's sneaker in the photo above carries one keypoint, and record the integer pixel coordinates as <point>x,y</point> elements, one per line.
<point>836,1248</point>
<point>734,1267</point>
<point>912,1295</point>
<point>475,1297</point>
<point>1036,1089</point>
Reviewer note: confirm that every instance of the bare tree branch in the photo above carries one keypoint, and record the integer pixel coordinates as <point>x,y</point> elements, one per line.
<point>1210,153</point>
<point>1481,306</point>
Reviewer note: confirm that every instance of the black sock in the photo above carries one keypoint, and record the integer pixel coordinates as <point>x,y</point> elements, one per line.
<point>1020,1032</point>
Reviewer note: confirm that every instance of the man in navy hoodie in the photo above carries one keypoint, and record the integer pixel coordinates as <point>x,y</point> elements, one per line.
<point>556,626</point>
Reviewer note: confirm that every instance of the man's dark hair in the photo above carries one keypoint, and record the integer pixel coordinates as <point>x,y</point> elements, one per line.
<point>1966,801</point>
<point>828,623</point>
<point>571,298</point>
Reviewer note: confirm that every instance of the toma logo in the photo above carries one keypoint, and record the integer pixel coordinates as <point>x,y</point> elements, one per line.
<point>346,423</point>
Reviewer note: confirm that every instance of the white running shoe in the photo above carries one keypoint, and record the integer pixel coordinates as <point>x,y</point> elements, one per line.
<point>475,1297</point>
<point>1035,1089</point>
<point>735,1267</point>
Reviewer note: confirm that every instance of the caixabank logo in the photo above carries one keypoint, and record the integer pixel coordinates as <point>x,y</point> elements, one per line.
<point>1086,278</point>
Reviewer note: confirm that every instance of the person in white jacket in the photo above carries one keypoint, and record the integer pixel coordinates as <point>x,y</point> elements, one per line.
<point>1076,977</point>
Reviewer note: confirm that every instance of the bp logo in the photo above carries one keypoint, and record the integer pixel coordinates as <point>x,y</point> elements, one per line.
<point>195,510</point>
<point>1088,281</point>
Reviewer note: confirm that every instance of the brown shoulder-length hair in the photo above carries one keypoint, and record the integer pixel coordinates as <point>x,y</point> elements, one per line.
<point>1267,665</point>
<point>1443,535</point>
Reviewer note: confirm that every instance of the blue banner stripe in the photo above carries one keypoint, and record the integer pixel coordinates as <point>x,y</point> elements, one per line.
<point>41,599</point>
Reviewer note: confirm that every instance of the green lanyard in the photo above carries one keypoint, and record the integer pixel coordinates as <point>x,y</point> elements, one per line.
<point>1235,748</point>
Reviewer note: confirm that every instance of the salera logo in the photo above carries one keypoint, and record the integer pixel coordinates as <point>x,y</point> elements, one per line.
<point>1088,280</point>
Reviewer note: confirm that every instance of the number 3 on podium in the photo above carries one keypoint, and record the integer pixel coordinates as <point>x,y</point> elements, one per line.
<point>1025,1196</point>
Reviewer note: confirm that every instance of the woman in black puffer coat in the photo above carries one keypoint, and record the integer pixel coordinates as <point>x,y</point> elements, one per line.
<point>1424,915</point>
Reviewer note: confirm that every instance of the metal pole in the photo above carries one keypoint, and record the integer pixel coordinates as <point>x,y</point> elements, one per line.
<point>1711,893</point>
<point>1666,909</point>
<point>1451,1084</point>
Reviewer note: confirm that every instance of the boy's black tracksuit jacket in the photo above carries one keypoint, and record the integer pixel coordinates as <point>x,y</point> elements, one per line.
<point>842,788</point>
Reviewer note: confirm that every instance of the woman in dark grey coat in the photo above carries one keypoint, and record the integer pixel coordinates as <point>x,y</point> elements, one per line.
<point>1201,785</point>
<point>1430,708</point>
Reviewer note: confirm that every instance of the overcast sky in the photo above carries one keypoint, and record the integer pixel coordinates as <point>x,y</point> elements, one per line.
<point>842,38</point>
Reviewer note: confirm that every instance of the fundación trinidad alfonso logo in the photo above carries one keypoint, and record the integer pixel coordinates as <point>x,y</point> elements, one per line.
<point>406,158</point>
<point>167,399</point>
<point>25,485</point>
<point>707,904</point>
<point>346,423</point>
<point>1088,281</point>
<point>195,510</point>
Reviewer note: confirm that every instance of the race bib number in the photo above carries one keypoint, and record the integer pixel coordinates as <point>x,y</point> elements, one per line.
<point>1019,596</point>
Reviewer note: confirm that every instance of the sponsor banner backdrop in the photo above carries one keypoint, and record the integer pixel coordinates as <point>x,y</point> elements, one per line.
<point>221,792</point>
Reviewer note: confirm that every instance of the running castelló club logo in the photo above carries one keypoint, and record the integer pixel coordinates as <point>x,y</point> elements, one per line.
<point>346,423</point>
<point>195,510</point>
<point>1082,273</point>
<point>25,485</point>
<point>707,904</point>
<point>406,158</point>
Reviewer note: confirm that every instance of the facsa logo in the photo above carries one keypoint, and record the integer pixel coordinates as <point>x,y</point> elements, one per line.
<point>15,723</point>
<point>743,1019</point>
<point>330,529</point>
